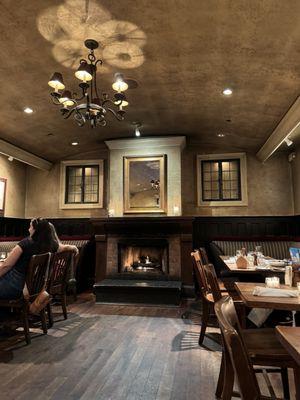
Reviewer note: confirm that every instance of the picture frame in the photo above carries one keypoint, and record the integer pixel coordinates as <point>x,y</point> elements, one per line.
<point>145,184</point>
<point>3,182</point>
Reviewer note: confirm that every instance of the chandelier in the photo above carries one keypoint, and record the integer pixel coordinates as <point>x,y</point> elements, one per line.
<point>89,106</point>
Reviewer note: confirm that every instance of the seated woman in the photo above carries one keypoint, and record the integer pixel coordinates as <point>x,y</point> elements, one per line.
<point>42,239</point>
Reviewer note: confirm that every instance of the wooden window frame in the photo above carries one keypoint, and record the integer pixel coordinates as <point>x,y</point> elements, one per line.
<point>63,186</point>
<point>243,201</point>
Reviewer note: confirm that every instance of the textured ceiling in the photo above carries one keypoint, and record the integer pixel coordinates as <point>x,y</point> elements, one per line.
<point>182,54</point>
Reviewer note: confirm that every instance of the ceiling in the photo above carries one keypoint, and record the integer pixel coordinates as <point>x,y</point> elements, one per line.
<point>182,54</point>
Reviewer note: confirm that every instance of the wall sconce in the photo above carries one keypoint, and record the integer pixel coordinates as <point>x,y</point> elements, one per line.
<point>176,210</point>
<point>111,212</point>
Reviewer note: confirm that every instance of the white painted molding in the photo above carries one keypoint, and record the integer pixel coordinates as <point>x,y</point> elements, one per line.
<point>149,142</point>
<point>290,124</point>
<point>24,156</point>
<point>62,188</point>
<point>243,170</point>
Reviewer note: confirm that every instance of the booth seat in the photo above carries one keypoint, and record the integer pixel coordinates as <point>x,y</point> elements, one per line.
<point>277,248</point>
<point>82,277</point>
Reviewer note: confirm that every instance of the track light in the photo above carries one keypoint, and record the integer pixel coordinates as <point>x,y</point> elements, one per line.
<point>288,142</point>
<point>137,126</point>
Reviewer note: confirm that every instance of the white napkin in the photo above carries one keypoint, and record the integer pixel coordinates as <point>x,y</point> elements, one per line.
<point>230,260</point>
<point>273,292</point>
<point>259,315</point>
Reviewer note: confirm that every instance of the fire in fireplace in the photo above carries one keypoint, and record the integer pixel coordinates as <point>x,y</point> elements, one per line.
<point>140,256</point>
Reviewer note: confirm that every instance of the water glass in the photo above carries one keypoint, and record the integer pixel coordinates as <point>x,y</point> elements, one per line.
<point>238,253</point>
<point>272,282</point>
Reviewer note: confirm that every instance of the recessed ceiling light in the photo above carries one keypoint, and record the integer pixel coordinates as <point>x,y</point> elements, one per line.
<point>221,134</point>
<point>74,143</point>
<point>28,110</point>
<point>227,92</point>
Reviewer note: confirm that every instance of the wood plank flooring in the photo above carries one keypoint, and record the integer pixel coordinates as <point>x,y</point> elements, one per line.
<point>113,352</point>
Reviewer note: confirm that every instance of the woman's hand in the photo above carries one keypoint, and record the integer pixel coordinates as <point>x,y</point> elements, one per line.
<point>75,249</point>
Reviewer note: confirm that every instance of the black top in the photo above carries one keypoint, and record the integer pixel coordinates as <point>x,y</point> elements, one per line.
<point>29,248</point>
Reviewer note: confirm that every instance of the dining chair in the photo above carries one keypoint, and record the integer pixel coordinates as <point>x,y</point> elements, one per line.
<point>203,292</point>
<point>244,349</point>
<point>60,266</point>
<point>35,281</point>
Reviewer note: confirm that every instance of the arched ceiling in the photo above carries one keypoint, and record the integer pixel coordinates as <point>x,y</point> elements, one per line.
<point>182,54</point>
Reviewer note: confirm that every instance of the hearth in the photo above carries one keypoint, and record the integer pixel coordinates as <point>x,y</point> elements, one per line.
<point>143,256</point>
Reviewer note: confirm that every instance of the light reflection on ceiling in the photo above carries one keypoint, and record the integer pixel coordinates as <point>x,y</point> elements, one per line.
<point>68,25</point>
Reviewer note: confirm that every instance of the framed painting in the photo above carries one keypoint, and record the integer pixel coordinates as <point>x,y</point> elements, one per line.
<point>2,195</point>
<point>145,184</point>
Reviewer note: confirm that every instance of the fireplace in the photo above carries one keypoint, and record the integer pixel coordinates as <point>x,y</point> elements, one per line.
<point>167,241</point>
<point>143,256</point>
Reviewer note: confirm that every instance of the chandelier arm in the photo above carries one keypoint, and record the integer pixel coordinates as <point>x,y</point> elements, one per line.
<point>68,113</point>
<point>115,114</point>
<point>95,78</point>
<point>55,101</point>
<point>111,102</point>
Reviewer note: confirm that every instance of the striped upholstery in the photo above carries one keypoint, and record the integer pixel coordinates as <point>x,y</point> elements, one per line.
<point>8,246</point>
<point>278,249</point>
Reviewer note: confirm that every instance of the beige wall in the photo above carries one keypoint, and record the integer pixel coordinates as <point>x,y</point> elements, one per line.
<point>42,199</point>
<point>15,173</point>
<point>269,187</point>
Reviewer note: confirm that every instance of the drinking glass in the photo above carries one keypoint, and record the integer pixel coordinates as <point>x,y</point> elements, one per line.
<point>272,282</point>
<point>238,253</point>
<point>298,287</point>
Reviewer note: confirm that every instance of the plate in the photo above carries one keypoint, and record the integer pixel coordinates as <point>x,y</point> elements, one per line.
<point>277,263</point>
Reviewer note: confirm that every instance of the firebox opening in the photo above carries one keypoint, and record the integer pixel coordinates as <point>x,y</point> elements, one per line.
<point>140,257</point>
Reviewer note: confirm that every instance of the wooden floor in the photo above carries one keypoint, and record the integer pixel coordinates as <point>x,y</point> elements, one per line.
<point>113,352</point>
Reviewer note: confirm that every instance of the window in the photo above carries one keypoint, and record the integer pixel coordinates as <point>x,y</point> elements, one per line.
<point>222,180</point>
<point>81,184</point>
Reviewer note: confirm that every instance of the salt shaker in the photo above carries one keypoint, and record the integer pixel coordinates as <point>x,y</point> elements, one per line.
<point>288,275</point>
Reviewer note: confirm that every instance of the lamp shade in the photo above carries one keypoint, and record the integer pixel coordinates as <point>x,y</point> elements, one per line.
<point>120,100</point>
<point>119,85</point>
<point>84,72</point>
<point>66,99</point>
<point>56,81</point>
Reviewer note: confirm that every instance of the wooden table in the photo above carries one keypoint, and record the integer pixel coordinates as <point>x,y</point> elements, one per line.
<point>290,339</point>
<point>245,290</point>
<point>251,270</point>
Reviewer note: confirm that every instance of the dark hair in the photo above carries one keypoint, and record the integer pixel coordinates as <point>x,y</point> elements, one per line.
<point>43,236</point>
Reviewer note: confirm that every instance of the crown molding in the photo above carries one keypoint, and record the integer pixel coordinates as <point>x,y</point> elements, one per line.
<point>24,156</point>
<point>289,124</point>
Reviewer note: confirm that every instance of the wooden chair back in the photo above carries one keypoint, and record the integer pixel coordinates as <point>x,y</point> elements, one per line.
<point>199,273</point>
<point>59,268</point>
<point>203,256</point>
<point>37,274</point>
<point>212,281</point>
<point>235,347</point>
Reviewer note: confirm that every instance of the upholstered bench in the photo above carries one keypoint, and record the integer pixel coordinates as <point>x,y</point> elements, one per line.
<point>82,277</point>
<point>278,249</point>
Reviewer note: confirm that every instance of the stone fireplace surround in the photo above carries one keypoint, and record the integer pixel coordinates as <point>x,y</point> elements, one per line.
<point>176,230</point>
